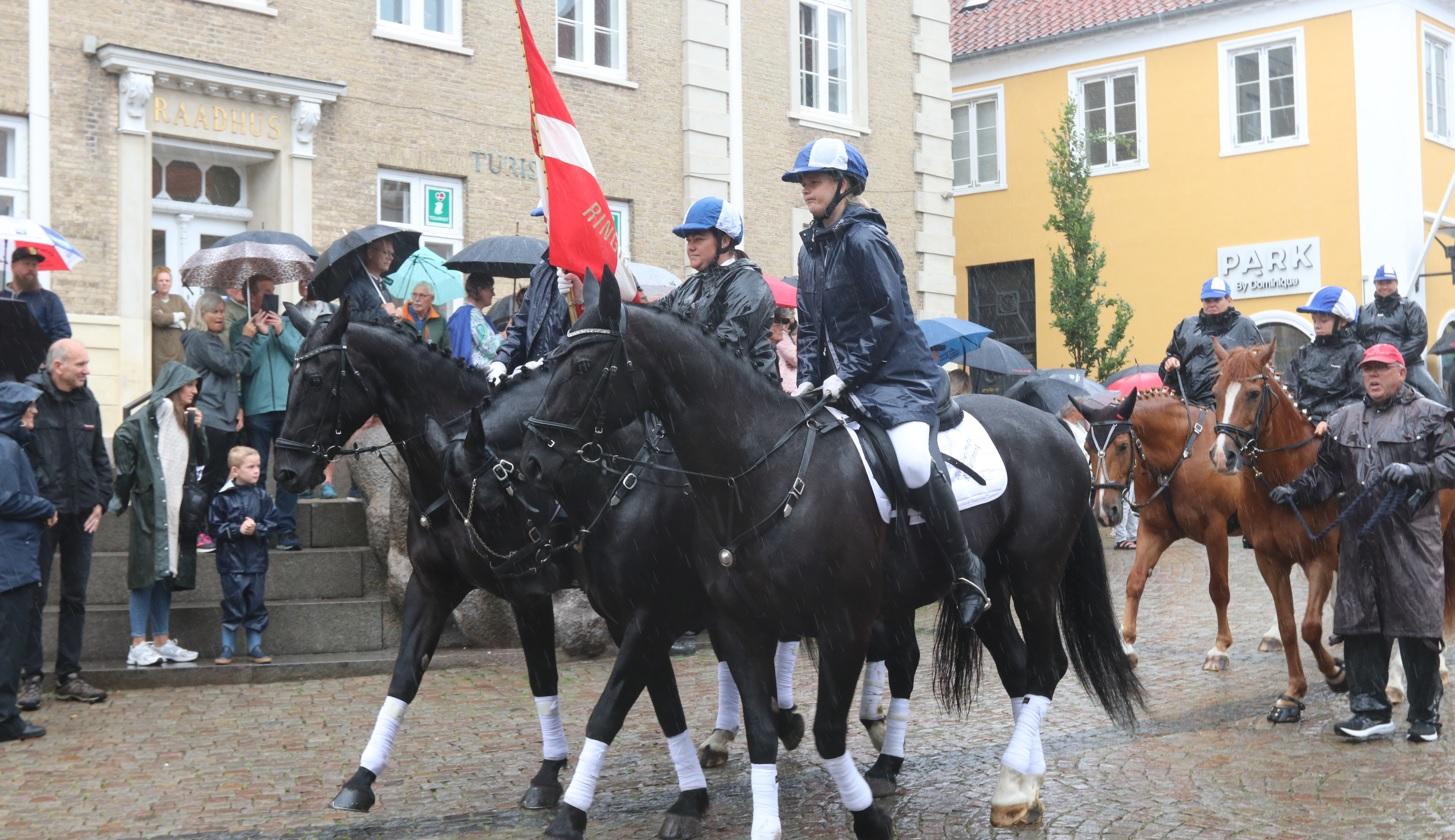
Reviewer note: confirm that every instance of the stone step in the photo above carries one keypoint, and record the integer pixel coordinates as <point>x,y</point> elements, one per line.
<point>321,524</point>
<point>311,574</point>
<point>298,626</point>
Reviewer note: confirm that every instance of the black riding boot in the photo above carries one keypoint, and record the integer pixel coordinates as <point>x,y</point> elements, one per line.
<point>936,500</point>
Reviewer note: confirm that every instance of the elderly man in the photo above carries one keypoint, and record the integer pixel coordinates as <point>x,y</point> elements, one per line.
<point>44,304</point>
<point>366,290</point>
<point>1392,319</point>
<point>1190,366</point>
<point>74,474</point>
<point>1391,581</point>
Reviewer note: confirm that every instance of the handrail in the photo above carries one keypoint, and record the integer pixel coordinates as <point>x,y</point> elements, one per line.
<point>127,409</point>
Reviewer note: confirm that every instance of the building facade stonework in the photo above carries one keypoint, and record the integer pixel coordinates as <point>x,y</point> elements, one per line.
<point>143,131</point>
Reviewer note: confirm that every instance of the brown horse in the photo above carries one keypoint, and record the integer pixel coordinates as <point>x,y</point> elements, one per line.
<point>1147,440</point>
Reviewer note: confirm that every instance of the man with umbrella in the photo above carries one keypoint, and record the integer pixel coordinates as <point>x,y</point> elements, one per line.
<point>366,289</point>
<point>1190,366</point>
<point>25,286</point>
<point>353,269</point>
<point>542,319</point>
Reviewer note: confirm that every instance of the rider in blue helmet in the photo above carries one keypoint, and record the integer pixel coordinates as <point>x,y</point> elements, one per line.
<point>1324,374</point>
<point>1190,365</point>
<point>727,293</point>
<point>858,343</point>
<point>1397,320</point>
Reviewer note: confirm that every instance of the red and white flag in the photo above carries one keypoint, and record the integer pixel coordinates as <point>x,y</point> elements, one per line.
<point>582,231</point>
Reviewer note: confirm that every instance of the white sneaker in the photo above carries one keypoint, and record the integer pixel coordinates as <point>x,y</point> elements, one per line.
<point>143,654</point>
<point>173,652</point>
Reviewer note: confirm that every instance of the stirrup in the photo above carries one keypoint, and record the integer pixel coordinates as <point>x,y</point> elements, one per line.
<point>980,589</point>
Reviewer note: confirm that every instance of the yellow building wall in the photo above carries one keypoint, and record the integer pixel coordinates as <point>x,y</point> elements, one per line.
<point>1437,165</point>
<point>1161,226</point>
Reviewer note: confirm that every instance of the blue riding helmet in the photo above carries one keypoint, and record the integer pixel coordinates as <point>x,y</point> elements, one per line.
<point>1385,272</point>
<point>709,214</point>
<point>1215,288</point>
<point>828,155</point>
<point>539,211</point>
<point>1333,300</point>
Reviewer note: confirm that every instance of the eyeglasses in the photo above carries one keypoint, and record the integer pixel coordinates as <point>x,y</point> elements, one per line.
<point>782,322</point>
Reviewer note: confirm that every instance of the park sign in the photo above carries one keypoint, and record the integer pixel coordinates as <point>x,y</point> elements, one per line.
<point>1270,269</point>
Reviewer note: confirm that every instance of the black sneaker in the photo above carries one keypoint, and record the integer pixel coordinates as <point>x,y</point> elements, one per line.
<point>1362,727</point>
<point>1424,731</point>
<point>75,688</point>
<point>29,697</point>
<point>22,730</point>
<point>289,542</point>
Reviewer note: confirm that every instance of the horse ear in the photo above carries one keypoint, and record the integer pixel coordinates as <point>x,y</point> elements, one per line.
<point>1086,410</point>
<point>1264,353</point>
<point>337,323</point>
<point>475,435</point>
<point>1125,407</point>
<point>434,436</point>
<point>609,304</point>
<point>1219,351</point>
<point>296,318</point>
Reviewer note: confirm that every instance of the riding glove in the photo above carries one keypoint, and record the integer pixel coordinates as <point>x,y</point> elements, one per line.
<point>803,388</point>
<point>1281,495</point>
<point>495,372</point>
<point>833,387</point>
<point>563,282</point>
<point>1397,473</point>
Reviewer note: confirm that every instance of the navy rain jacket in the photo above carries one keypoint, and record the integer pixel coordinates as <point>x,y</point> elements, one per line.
<point>238,554</point>
<point>23,511</point>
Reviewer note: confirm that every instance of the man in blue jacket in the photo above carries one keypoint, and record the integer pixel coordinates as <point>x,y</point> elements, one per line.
<point>44,304</point>
<point>24,516</point>
<point>265,397</point>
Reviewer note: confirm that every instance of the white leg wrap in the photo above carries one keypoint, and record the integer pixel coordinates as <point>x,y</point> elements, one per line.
<point>588,769</point>
<point>783,663</point>
<point>1024,754</point>
<point>553,736</point>
<point>853,790</point>
<point>895,727</point>
<point>381,742</point>
<point>876,677</point>
<point>729,706</point>
<point>1015,708</point>
<point>766,825</point>
<point>684,759</point>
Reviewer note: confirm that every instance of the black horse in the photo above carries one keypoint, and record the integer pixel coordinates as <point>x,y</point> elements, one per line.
<point>780,519</point>
<point>346,373</point>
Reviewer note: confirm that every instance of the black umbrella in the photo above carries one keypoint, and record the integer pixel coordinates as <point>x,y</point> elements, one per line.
<point>1048,391</point>
<point>345,256</point>
<point>22,342</point>
<point>268,237</point>
<point>499,256</point>
<point>998,357</point>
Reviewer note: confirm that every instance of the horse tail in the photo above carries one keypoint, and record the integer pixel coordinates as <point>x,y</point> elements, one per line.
<point>957,659</point>
<point>1089,629</point>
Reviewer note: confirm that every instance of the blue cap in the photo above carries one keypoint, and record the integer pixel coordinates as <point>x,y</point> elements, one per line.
<point>538,212</point>
<point>712,213</point>
<point>1215,288</point>
<point>828,154</point>
<point>1385,272</point>
<point>1333,300</point>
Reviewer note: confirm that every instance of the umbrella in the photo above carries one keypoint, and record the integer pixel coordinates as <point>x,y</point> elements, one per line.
<point>654,282</point>
<point>998,357</point>
<point>783,294</point>
<point>228,262</point>
<point>22,343</point>
<point>1445,345</point>
<point>953,336</point>
<point>425,266</point>
<point>340,260</point>
<point>499,256</point>
<point>1048,391</point>
<point>56,254</point>
<point>1134,378</point>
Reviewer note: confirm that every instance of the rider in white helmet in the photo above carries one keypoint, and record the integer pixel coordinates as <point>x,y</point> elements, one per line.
<point>1324,374</point>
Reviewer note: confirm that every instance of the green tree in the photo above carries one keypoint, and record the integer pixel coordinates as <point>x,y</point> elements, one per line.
<point>1078,294</point>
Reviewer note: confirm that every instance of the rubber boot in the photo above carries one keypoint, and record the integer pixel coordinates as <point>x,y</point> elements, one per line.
<point>936,501</point>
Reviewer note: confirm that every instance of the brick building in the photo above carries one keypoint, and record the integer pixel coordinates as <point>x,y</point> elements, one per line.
<point>144,129</point>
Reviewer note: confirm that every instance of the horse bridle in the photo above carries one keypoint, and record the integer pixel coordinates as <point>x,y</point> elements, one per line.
<point>522,561</point>
<point>1139,453</point>
<point>346,370</point>
<point>1112,428</point>
<point>1248,438</point>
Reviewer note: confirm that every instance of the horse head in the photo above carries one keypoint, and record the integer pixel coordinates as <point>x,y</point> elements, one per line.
<point>1109,448</point>
<point>1246,390</point>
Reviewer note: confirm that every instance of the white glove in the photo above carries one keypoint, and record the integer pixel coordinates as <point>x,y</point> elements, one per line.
<point>803,388</point>
<point>495,373</point>
<point>563,283</point>
<point>179,320</point>
<point>833,387</point>
<point>533,364</point>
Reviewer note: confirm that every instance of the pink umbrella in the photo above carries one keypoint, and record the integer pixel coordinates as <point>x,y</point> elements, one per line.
<point>783,294</point>
<point>1138,381</point>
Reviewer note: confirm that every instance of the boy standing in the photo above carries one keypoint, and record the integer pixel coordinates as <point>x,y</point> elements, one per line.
<point>241,518</point>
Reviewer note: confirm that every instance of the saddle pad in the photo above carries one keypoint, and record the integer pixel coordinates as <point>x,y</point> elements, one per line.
<point>968,443</point>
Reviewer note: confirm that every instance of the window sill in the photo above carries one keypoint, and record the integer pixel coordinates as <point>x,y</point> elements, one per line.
<point>420,38</point>
<point>981,188</point>
<point>258,7</point>
<point>1447,142</point>
<point>826,121</point>
<point>1130,166</point>
<point>594,73</point>
<point>1254,148</point>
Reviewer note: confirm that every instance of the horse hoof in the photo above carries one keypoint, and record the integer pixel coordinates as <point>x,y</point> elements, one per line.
<point>1268,645</point>
<point>1217,660</point>
<point>1285,714</point>
<point>358,800</point>
<point>883,777</point>
<point>541,797</point>
<point>1395,695</point>
<point>569,824</point>
<point>1019,814</point>
<point>875,728</point>
<point>714,751</point>
<point>872,824</point>
<point>684,818</point>
<point>789,724</point>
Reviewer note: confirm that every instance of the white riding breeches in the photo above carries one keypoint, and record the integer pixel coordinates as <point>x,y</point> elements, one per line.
<point>911,443</point>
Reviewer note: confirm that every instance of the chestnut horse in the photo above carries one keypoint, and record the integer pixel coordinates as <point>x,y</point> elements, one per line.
<point>1146,440</point>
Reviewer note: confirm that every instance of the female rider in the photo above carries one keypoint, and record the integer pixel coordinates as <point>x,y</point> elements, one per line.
<point>857,339</point>
<point>1324,375</point>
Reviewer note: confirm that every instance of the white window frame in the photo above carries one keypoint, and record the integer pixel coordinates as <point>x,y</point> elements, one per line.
<point>855,121</point>
<point>261,7</point>
<point>1074,81</point>
<point>971,98</point>
<point>419,186</point>
<point>1446,40</point>
<point>623,207</point>
<point>18,186</point>
<point>1227,93</point>
<point>413,31</point>
<point>585,65</point>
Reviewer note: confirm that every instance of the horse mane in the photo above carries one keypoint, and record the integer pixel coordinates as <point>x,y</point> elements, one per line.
<point>728,354</point>
<point>1286,421</point>
<point>463,377</point>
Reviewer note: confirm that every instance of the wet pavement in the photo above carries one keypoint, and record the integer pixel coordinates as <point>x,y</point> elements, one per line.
<point>264,760</point>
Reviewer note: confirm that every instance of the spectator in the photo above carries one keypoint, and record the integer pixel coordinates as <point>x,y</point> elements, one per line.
<point>472,337</point>
<point>366,291</point>
<point>169,320</point>
<point>222,416</point>
<point>158,449</point>
<point>782,333</point>
<point>241,518</point>
<point>265,395</point>
<point>74,474</point>
<point>959,382</point>
<point>24,516</point>
<point>44,304</point>
<point>505,309</point>
<point>310,307</point>
<point>234,310</point>
<point>424,318</point>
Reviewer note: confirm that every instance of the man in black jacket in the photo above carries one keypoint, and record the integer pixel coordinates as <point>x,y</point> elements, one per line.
<point>1190,366</point>
<point>1392,319</point>
<point>74,473</point>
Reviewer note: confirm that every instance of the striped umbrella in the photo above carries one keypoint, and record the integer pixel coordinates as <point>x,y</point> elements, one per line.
<point>56,254</point>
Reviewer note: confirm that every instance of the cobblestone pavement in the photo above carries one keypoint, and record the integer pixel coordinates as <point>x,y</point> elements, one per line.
<point>264,760</point>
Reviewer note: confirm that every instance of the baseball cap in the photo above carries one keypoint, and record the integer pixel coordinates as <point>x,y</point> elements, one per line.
<point>1215,288</point>
<point>1385,272</point>
<point>27,252</point>
<point>1384,354</point>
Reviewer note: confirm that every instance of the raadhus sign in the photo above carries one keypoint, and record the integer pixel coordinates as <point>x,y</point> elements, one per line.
<point>1291,267</point>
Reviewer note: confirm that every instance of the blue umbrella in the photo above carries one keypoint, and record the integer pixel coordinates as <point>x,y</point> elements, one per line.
<point>953,336</point>
<point>425,266</point>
